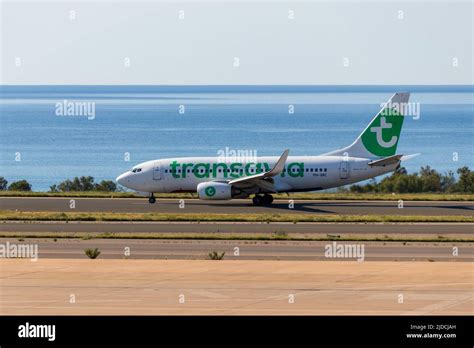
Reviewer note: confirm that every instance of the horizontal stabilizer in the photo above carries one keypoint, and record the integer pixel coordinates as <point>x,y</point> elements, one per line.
<point>385,161</point>
<point>409,157</point>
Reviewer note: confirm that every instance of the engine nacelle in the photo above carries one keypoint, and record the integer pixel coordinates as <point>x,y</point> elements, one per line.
<point>214,190</point>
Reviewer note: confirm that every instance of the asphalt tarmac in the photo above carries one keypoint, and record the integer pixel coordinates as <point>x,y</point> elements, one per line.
<point>239,206</point>
<point>432,229</point>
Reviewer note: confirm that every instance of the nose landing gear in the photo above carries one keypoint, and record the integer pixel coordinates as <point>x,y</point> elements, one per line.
<point>152,199</point>
<point>266,199</point>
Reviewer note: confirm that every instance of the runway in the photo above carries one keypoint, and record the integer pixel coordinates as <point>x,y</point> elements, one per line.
<point>324,229</point>
<point>177,287</point>
<point>246,250</point>
<point>238,206</point>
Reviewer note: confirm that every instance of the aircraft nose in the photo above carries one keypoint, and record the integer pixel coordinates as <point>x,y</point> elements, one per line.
<point>121,179</point>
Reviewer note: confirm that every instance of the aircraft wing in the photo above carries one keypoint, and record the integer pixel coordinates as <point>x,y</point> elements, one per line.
<point>263,180</point>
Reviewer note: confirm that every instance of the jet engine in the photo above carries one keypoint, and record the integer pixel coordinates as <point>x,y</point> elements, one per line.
<point>216,190</point>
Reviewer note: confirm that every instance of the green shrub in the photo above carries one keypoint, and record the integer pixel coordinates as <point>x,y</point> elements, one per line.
<point>3,183</point>
<point>427,180</point>
<point>21,185</point>
<point>214,255</point>
<point>92,253</point>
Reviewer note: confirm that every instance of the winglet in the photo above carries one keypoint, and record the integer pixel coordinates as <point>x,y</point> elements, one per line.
<point>280,165</point>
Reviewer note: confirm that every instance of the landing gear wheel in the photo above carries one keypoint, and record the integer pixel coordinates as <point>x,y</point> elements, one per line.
<point>267,199</point>
<point>152,199</point>
<point>257,200</point>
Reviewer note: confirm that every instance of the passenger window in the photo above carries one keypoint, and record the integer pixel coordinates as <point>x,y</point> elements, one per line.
<point>325,169</point>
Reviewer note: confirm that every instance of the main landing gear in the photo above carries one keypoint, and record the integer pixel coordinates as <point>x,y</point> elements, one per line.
<point>152,199</point>
<point>262,200</point>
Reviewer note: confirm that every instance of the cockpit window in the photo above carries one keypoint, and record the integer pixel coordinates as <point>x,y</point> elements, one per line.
<point>136,170</point>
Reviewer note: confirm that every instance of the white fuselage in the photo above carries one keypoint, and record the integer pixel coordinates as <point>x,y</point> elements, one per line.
<point>302,173</point>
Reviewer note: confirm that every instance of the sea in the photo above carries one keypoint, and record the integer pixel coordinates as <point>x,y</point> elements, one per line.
<point>52,133</point>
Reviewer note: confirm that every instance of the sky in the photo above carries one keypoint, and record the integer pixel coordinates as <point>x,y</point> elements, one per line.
<point>237,42</point>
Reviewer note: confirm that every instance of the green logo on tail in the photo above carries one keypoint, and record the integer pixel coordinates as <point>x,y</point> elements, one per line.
<point>381,137</point>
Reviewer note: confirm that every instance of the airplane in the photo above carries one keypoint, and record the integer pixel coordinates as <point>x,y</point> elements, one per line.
<point>373,153</point>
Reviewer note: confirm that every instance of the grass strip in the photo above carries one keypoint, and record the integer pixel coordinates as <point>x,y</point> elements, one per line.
<point>9,215</point>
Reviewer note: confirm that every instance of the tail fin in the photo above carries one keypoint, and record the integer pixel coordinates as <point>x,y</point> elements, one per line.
<point>380,137</point>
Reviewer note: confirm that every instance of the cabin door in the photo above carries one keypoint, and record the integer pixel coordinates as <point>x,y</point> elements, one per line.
<point>344,170</point>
